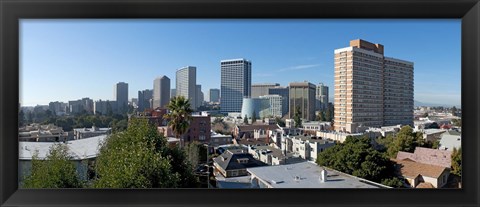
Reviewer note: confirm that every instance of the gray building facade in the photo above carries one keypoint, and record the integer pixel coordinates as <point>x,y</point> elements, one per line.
<point>214,95</point>
<point>144,98</point>
<point>121,96</point>
<point>161,91</point>
<point>186,84</point>
<point>235,84</point>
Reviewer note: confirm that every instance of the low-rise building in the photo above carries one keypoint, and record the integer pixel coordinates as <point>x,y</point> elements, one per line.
<point>429,156</point>
<point>337,136</point>
<point>270,155</point>
<point>234,163</point>
<point>314,126</point>
<point>421,175</point>
<point>305,175</point>
<point>432,135</point>
<point>383,131</point>
<point>247,131</point>
<point>81,151</point>
<point>82,133</point>
<point>217,139</point>
<point>42,133</point>
<point>450,140</point>
<point>308,147</point>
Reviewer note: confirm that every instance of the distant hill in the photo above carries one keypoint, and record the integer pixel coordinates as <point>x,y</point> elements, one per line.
<point>418,103</point>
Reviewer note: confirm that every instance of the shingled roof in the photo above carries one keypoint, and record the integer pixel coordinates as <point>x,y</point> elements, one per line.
<point>411,169</point>
<point>428,156</point>
<point>229,160</point>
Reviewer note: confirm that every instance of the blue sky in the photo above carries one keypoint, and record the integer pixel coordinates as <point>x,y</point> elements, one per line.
<point>63,60</point>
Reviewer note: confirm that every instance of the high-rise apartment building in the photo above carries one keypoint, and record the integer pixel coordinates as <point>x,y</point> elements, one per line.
<point>121,96</point>
<point>214,95</point>
<point>186,84</point>
<point>284,93</point>
<point>161,91</point>
<point>144,98</point>
<point>261,89</point>
<point>235,84</point>
<point>302,95</point>
<point>371,90</point>
<point>321,96</point>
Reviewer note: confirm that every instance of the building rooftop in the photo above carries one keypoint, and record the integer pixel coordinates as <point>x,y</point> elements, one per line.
<point>311,139</point>
<point>308,175</point>
<point>257,126</point>
<point>428,156</point>
<point>237,59</point>
<point>232,159</point>
<point>411,169</point>
<point>79,149</point>
<point>269,150</point>
<point>450,140</point>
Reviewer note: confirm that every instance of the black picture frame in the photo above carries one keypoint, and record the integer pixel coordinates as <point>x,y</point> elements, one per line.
<point>13,10</point>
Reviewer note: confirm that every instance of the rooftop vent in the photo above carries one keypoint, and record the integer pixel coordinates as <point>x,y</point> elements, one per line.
<point>323,176</point>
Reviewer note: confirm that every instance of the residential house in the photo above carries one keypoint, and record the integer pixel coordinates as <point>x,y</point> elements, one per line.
<point>234,162</point>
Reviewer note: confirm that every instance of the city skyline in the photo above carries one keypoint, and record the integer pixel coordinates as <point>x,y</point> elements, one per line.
<point>84,58</point>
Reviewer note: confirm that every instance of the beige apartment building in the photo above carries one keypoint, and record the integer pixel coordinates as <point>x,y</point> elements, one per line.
<point>371,90</point>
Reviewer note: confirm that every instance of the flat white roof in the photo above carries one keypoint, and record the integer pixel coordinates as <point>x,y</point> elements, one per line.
<point>398,60</point>
<point>345,49</point>
<point>307,175</point>
<point>237,59</point>
<point>79,149</point>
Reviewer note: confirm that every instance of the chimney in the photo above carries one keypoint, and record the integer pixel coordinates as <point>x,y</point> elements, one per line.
<point>323,176</point>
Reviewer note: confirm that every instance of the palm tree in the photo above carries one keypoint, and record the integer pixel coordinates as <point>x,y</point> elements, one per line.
<point>179,116</point>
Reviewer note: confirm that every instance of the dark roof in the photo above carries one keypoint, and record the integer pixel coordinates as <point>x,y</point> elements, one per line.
<point>253,141</point>
<point>230,160</point>
<point>244,128</point>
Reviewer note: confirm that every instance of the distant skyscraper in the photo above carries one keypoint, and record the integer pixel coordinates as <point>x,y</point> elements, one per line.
<point>302,94</point>
<point>144,98</point>
<point>275,106</point>
<point>321,97</point>
<point>214,95</point>
<point>261,89</point>
<point>161,91</point>
<point>173,92</point>
<point>200,96</point>
<point>235,84</point>
<point>121,96</point>
<point>187,84</point>
<point>284,93</point>
<point>371,90</point>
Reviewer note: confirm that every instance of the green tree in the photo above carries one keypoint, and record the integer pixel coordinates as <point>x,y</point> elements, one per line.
<point>357,157</point>
<point>320,116</point>
<point>457,161</point>
<point>454,111</point>
<point>245,119</point>
<point>254,118</point>
<point>135,158</point>
<point>29,117</point>
<point>328,114</point>
<point>56,171</point>
<point>297,117</point>
<point>392,182</point>
<point>21,118</point>
<point>406,141</point>
<point>457,122</point>
<point>179,116</point>
<point>193,153</point>
<point>280,122</point>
